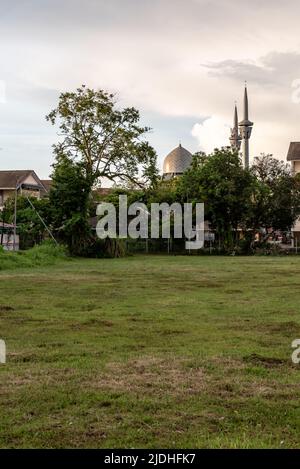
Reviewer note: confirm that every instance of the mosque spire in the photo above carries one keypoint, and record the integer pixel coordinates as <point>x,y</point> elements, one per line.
<point>246,129</point>
<point>246,106</point>
<point>235,138</point>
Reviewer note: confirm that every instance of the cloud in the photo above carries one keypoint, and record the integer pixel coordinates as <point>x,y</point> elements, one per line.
<point>212,133</point>
<point>274,69</point>
<point>180,60</point>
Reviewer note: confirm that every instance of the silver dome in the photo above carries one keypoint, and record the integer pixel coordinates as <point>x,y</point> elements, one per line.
<point>177,162</point>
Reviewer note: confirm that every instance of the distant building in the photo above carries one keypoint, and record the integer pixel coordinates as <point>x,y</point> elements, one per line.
<point>47,183</point>
<point>24,181</point>
<point>293,157</point>
<point>241,132</point>
<point>8,239</point>
<point>176,162</point>
<point>180,159</point>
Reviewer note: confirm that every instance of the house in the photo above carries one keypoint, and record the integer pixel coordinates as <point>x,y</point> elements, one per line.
<point>293,157</point>
<point>47,183</point>
<point>24,181</point>
<point>8,238</point>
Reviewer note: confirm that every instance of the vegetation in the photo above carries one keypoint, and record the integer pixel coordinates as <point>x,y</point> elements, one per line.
<point>244,207</point>
<point>275,201</point>
<point>107,141</point>
<point>44,254</point>
<point>220,181</point>
<point>99,141</point>
<point>154,351</point>
<point>30,227</point>
<point>70,201</point>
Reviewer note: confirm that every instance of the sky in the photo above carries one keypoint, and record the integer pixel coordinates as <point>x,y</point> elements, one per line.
<point>182,63</point>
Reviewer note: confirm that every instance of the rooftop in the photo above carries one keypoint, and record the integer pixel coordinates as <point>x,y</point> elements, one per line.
<point>10,179</point>
<point>177,161</point>
<point>294,151</point>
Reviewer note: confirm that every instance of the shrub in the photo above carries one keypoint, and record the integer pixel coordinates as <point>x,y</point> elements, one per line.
<point>44,254</point>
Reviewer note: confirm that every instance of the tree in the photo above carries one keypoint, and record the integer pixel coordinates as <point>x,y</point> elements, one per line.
<point>30,227</point>
<point>107,141</point>
<point>224,186</point>
<point>70,203</point>
<point>275,202</point>
<point>98,140</point>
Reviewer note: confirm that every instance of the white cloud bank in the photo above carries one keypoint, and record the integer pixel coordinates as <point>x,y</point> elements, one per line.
<point>175,58</point>
<point>212,133</point>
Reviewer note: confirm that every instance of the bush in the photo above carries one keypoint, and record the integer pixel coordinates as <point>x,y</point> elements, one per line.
<point>44,254</point>
<point>108,247</point>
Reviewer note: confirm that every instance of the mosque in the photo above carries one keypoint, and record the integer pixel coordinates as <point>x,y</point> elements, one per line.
<point>179,160</point>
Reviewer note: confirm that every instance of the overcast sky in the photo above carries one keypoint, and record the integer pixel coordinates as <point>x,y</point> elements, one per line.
<point>182,63</point>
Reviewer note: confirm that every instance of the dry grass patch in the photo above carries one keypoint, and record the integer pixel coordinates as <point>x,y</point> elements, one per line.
<point>150,375</point>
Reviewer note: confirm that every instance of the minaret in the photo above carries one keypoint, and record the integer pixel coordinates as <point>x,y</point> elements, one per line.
<point>246,129</point>
<point>235,138</point>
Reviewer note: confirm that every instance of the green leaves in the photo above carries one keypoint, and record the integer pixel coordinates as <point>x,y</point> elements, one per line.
<point>108,141</point>
<point>98,140</point>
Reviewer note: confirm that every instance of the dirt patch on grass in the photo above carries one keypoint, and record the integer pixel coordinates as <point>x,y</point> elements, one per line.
<point>4,308</point>
<point>171,332</point>
<point>92,322</point>
<point>285,328</point>
<point>151,375</point>
<point>267,362</point>
<point>98,322</point>
<point>233,291</point>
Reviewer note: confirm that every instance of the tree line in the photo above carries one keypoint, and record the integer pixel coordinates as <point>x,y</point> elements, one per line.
<point>99,141</point>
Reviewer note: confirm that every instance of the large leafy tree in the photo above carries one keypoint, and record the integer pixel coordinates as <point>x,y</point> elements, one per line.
<point>275,202</point>
<point>70,202</point>
<point>97,140</point>
<point>108,141</point>
<point>220,181</point>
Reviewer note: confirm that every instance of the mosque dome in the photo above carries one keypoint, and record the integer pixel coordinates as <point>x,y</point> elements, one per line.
<point>177,162</point>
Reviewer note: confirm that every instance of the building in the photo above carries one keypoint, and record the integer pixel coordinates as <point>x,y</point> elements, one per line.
<point>8,238</point>
<point>24,181</point>
<point>176,162</point>
<point>293,157</point>
<point>47,183</point>
<point>241,133</point>
<point>235,138</point>
<point>245,130</point>
<point>179,159</point>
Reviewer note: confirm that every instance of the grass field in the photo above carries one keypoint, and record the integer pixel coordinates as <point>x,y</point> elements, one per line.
<point>151,352</point>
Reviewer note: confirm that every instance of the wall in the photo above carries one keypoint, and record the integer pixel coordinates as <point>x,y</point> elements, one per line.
<point>296,166</point>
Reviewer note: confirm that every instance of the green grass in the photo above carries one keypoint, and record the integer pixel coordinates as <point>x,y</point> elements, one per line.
<point>151,351</point>
<point>41,255</point>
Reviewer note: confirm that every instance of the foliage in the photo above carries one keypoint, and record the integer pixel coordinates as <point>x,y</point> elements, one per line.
<point>224,186</point>
<point>99,141</point>
<point>44,254</point>
<point>70,199</point>
<point>107,141</point>
<point>275,201</point>
<point>30,227</point>
<point>239,203</point>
